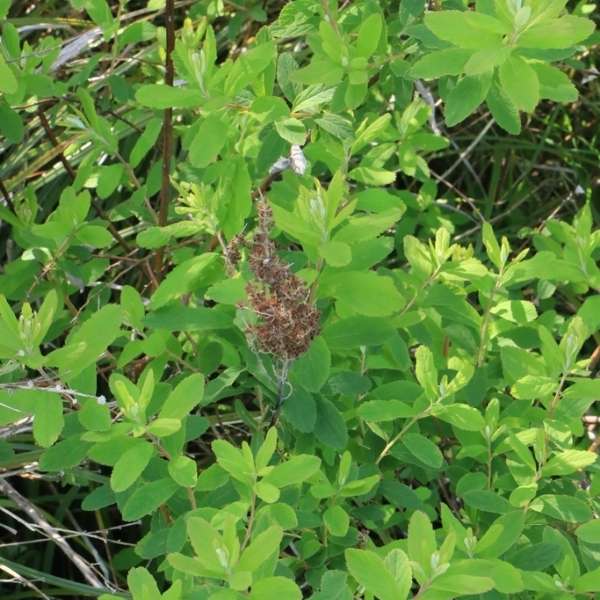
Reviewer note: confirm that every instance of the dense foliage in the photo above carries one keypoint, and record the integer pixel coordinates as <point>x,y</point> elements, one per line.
<point>299,299</point>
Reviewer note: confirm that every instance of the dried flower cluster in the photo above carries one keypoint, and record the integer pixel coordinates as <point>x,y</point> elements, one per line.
<point>232,251</point>
<point>288,321</point>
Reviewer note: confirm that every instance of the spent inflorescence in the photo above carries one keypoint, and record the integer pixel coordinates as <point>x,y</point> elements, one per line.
<point>287,319</point>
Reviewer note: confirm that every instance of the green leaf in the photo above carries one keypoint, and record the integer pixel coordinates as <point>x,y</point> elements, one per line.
<point>183,470</point>
<point>366,293</point>
<point>185,278</point>
<point>426,373</point>
<point>397,563</point>
<point>462,416</point>
<point>4,8</point>
<point>334,587</point>
<point>294,471</point>
<point>95,236</point>
<point>533,387</point>
<point>94,416</point>
<point>372,176</point>
<point>188,565</point>
<point>208,141</point>
<point>48,422</point>
<point>11,124</point>
<point>506,578</point>
<point>368,227</point>
<point>502,534</point>
<point>330,427</point>
<point>132,304</point>
<point>311,370</point>
<point>562,507</point>
<point>109,178</point>
<point>336,254</point>
<point>462,584</point>
<point>423,449</point>
<point>568,461</point>
<point>249,66</point>
<point>89,342</point>
<point>369,34</point>
<point>588,582</point>
<point>487,501</point>
<point>262,547</point>
<point>267,492</point>
<point>142,585</point>
<point>370,571</point>
<point>8,81</point>
<point>208,545</point>
<point>503,110</point>
<point>439,63</point>
<point>275,588</point>
<point>101,497</point>
<point>291,130</point>
<point>589,532</point>
<point>185,318</point>
<point>520,83</point>
<point>336,520</point>
<point>165,96</point>
<point>516,311</point>
<point>537,557</point>
<point>556,33</point>
<point>554,84</point>
<point>466,29</point>
<point>64,455</point>
<point>352,332</point>
<point>421,542</point>
<point>266,450</point>
<point>371,132</point>
<point>378,411</point>
<point>359,487</point>
<point>145,142</point>
<point>147,498</point>
<point>300,409</point>
<point>188,393</point>
<point>485,61</point>
<point>234,462</point>
<point>465,97</point>
<point>336,125</point>
<point>128,469</point>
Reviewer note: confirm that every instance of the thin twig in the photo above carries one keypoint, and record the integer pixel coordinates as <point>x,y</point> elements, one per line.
<point>167,130</point>
<point>31,510</point>
<point>97,206</point>
<point>7,197</point>
<point>17,577</point>
<point>463,154</point>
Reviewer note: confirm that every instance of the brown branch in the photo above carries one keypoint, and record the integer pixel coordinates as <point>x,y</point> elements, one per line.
<point>167,130</point>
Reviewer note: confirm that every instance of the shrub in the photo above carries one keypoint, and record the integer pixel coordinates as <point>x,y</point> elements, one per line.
<point>237,319</point>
